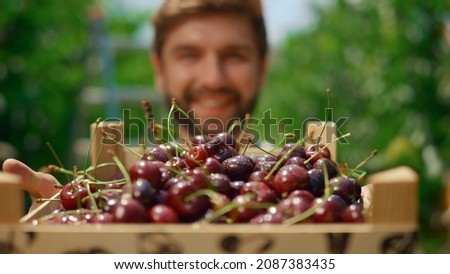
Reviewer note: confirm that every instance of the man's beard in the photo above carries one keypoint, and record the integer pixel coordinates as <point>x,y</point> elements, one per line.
<point>212,125</point>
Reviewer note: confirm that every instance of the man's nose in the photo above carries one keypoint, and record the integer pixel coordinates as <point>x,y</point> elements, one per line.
<point>213,74</point>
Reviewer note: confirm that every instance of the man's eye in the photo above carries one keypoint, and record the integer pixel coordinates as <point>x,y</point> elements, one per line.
<point>186,55</point>
<point>235,56</point>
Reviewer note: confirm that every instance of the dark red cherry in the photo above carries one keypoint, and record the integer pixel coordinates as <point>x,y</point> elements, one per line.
<point>161,153</point>
<point>147,170</point>
<point>212,165</point>
<point>176,163</point>
<point>302,194</point>
<point>198,140</point>
<point>295,205</point>
<point>345,187</point>
<point>197,177</point>
<point>311,150</point>
<point>162,214</point>
<point>329,165</point>
<point>269,218</point>
<point>196,156</point>
<point>330,210</point>
<point>264,165</point>
<point>245,209</point>
<point>290,178</point>
<point>316,182</point>
<point>296,160</point>
<point>238,168</point>
<point>220,182</point>
<point>258,191</point>
<point>73,194</point>
<point>143,191</point>
<point>100,218</point>
<point>187,210</point>
<point>261,176</point>
<point>129,210</point>
<point>353,214</point>
<point>218,149</point>
<point>288,151</point>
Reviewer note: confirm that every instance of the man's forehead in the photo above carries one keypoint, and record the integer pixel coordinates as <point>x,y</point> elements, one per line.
<point>212,28</point>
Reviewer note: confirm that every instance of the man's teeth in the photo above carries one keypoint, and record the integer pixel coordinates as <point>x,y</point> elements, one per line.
<point>211,103</point>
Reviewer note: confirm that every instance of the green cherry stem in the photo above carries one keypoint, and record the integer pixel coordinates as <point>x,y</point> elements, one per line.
<point>124,172</point>
<point>283,158</point>
<point>97,122</point>
<point>325,146</point>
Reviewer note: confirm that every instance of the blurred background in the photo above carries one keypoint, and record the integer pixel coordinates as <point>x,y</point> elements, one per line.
<point>63,64</point>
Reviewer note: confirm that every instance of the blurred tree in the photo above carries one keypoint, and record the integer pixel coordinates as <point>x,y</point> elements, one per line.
<point>388,65</point>
<point>43,47</point>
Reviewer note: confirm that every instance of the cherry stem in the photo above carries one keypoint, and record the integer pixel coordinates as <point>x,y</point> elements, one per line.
<point>58,160</point>
<point>283,158</point>
<point>190,119</point>
<point>249,141</point>
<point>95,168</point>
<point>260,148</point>
<point>122,145</point>
<point>363,162</point>
<point>97,122</point>
<point>243,126</point>
<point>233,125</point>
<point>220,212</point>
<point>90,195</point>
<point>169,117</point>
<point>42,200</point>
<point>124,173</point>
<point>325,146</point>
<point>300,217</point>
<point>285,136</point>
<point>53,169</point>
<point>149,116</point>
<point>201,192</point>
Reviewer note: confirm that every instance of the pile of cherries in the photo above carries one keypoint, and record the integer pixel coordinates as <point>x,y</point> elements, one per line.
<point>212,182</point>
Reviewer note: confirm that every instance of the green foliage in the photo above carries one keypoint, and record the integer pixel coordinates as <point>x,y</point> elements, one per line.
<point>43,44</point>
<point>387,65</point>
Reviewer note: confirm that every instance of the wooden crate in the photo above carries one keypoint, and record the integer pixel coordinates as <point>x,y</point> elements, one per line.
<point>390,197</point>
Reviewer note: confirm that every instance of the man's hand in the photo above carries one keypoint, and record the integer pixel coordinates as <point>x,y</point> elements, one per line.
<point>37,184</point>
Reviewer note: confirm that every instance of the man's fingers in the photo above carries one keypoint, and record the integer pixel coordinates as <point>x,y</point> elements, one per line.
<point>39,185</point>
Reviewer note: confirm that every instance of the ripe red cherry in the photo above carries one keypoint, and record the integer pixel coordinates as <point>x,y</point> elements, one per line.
<point>100,218</point>
<point>353,213</point>
<point>260,192</point>
<point>298,151</point>
<point>72,195</point>
<point>261,176</point>
<point>196,177</point>
<point>290,178</point>
<point>238,168</point>
<point>212,165</point>
<point>143,191</point>
<point>196,156</point>
<point>129,210</point>
<point>245,209</point>
<point>330,210</point>
<point>311,150</point>
<point>147,170</point>
<point>329,165</point>
<point>162,214</point>
<point>293,206</point>
<point>187,210</point>
<point>345,187</point>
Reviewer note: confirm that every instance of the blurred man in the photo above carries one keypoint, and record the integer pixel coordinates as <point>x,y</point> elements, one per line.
<point>211,57</point>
